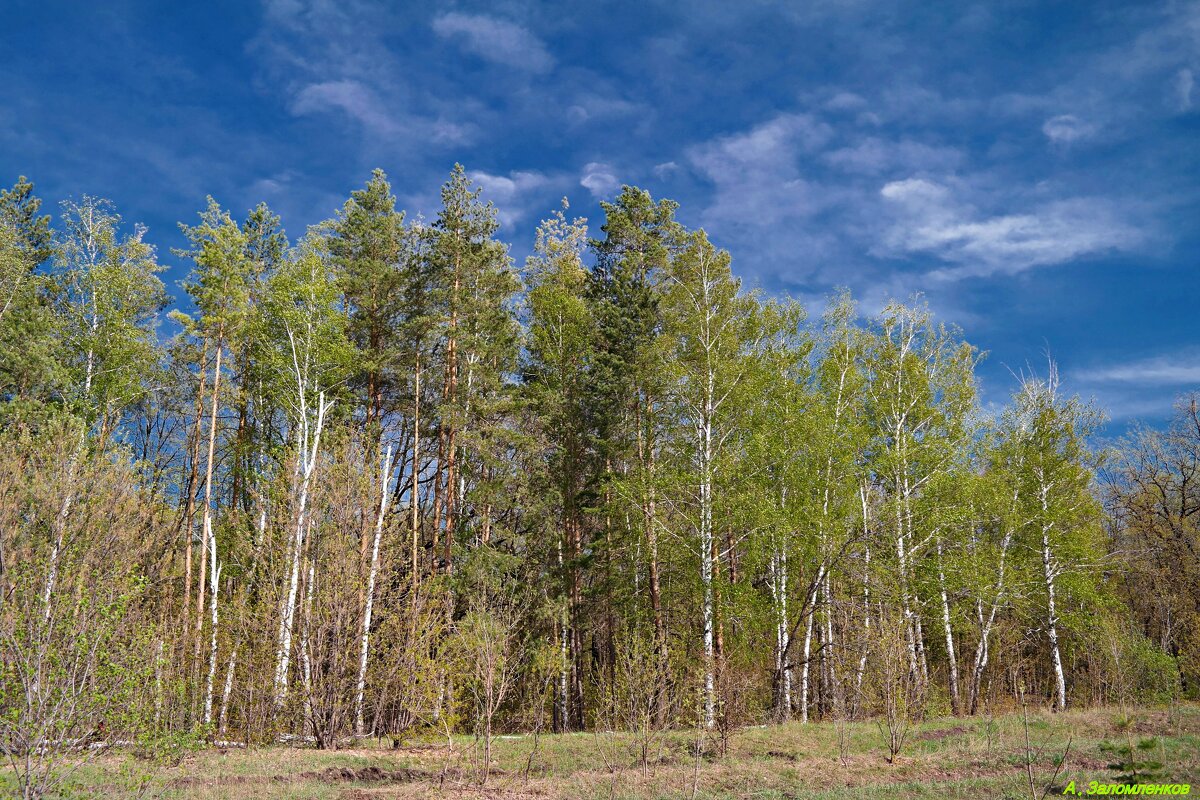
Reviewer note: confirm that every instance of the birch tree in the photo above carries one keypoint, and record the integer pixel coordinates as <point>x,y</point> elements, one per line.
<point>715,333</point>
<point>219,288</point>
<point>921,387</point>
<point>107,297</point>
<point>312,359</point>
<point>1060,514</point>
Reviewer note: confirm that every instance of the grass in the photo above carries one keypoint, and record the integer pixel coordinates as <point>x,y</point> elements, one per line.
<point>944,758</point>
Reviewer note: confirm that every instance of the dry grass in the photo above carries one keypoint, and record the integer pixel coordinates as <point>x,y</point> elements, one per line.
<point>947,758</point>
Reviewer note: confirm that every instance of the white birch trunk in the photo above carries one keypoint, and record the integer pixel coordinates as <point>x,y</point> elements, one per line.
<point>306,641</point>
<point>706,565</point>
<point>952,659</point>
<point>1050,570</point>
<point>308,456</point>
<point>223,716</point>
<point>214,573</point>
<point>359,723</point>
<point>779,590</point>
<point>808,629</point>
<point>982,649</point>
<point>861,670</point>
<point>828,670</point>
<point>564,666</point>
<point>60,525</point>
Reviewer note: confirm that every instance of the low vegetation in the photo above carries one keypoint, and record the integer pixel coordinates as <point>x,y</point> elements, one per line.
<point>944,758</point>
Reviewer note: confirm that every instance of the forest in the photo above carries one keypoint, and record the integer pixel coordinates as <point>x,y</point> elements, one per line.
<point>380,481</point>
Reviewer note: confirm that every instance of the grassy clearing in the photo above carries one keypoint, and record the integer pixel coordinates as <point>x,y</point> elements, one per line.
<point>944,758</point>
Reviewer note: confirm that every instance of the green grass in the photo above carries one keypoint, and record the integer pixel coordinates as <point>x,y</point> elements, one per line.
<point>945,758</point>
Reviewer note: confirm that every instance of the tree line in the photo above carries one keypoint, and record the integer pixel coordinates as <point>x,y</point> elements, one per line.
<point>382,479</point>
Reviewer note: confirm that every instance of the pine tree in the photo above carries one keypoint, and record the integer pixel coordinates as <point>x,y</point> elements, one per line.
<point>31,363</point>
<point>366,242</point>
<point>560,354</point>
<point>626,390</point>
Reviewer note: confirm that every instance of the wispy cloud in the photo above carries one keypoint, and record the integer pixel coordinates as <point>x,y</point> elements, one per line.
<point>350,97</point>
<point>875,155</point>
<point>756,173</point>
<point>591,106</point>
<point>518,193</point>
<point>600,180</point>
<point>1142,387</point>
<point>497,40</point>
<point>1185,83</point>
<point>1179,369</point>
<point>1067,128</point>
<point>362,105</point>
<point>932,218</point>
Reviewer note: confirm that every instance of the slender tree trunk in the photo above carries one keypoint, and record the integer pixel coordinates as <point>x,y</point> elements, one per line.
<point>707,565</point>
<point>60,524</point>
<point>564,667</point>
<point>210,538</point>
<point>1050,570</point>
<point>215,578</point>
<point>308,453</point>
<point>808,630</point>
<point>310,584</point>
<point>650,526</point>
<point>982,649</point>
<point>414,498</point>
<point>359,723</point>
<point>866,645</point>
<point>779,596</point>
<point>910,617</point>
<point>190,507</point>
<point>223,716</point>
<point>828,666</point>
<point>951,658</point>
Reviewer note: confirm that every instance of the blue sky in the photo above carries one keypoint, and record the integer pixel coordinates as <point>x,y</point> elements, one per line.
<point>1032,168</point>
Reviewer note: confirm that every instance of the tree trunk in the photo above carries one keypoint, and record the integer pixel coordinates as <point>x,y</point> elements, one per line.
<point>779,597</point>
<point>808,629</point>
<point>1050,570</point>
<point>190,507</point>
<point>308,453</point>
<point>951,658</point>
<point>414,496</point>
<point>210,538</point>
<point>364,647</point>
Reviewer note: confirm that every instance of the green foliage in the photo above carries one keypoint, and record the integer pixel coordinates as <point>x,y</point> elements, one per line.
<point>1134,761</point>
<point>622,485</point>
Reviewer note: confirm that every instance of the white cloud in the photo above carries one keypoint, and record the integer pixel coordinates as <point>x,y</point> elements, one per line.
<point>599,179</point>
<point>1144,387</point>
<point>1180,369</point>
<point>364,106</point>
<point>336,58</point>
<point>845,101</point>
<point>349,97</point>
<point>1185,82</point>
<point>756,173</point>
<point>496,40</point>
<point>774,143</point>
<point>590,106</point>
<point>514,194</point>
<point>874,155</point>
<point>933,218</point>
<point>1067,128</point>
<point>666,169</point>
